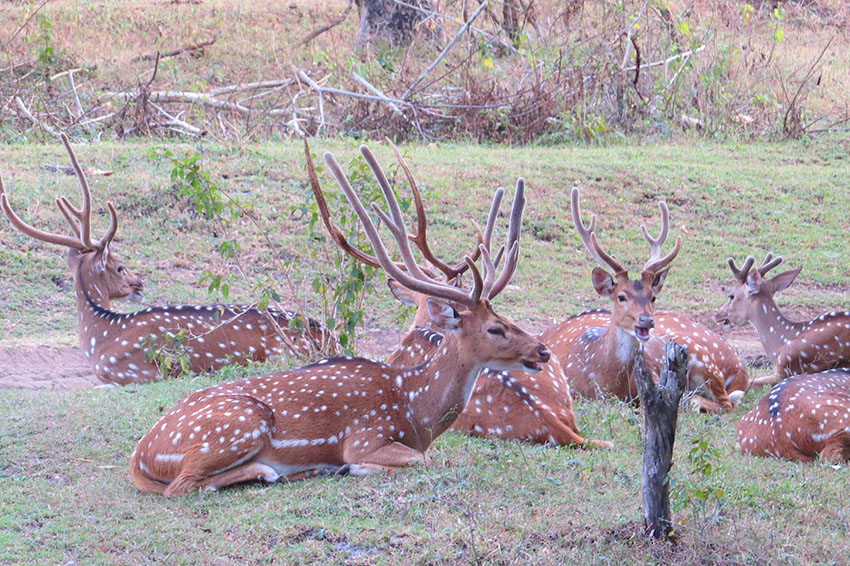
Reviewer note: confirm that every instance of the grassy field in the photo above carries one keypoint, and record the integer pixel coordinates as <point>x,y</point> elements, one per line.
<point>64,487</point>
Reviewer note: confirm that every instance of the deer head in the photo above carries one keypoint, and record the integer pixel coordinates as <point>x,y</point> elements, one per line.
<point>633,299</point>
<point>752,291</point>
<point>95,269</point>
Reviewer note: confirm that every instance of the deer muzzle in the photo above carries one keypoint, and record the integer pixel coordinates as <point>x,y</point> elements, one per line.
<point>645,323</point>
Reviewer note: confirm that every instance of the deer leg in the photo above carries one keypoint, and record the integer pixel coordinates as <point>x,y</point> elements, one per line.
<point>770,380</point>
<point>837,449</point>
<point>388,458</point>
<point>710,405</point>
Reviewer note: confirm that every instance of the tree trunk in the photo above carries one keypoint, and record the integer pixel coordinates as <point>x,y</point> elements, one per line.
<point>661,410</point>
<point>388,21</point>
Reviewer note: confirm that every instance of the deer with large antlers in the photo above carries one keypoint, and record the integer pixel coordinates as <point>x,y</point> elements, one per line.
<point>811,346</point>
<point>600,362</point>
<point>344,415</point>
<point>803,417</point>
<point>122,347</point>
<point>508,405</point>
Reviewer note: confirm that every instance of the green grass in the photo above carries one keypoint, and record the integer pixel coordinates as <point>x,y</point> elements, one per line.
<point>64,486</point>
<point>66,496</point>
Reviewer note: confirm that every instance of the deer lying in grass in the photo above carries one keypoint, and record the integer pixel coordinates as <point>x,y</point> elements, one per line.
<point>811,346</point>
<point>717,378</point>
<point>803,417</point>
<point>508,405</point>
<point>122,347</point>
<point>597,348</point>
<point>343,415</point>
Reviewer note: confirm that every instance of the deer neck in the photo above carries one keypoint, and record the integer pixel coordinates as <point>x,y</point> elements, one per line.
<point>615,353</point>
<point>94,317</point>
<point>438,390</point>
<point>773,329</point>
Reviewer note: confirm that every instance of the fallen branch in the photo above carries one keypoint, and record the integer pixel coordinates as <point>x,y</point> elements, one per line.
<point>444,52</point>
<point>68,170</point>
<point>185,49</point>
<point>314,34</point>
<point>25,111</point>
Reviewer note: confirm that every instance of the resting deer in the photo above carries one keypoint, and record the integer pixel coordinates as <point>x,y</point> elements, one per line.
<point>343,415</point>
<point>600,361</point>
<point>717,378</point>
<point>794,347</point>
<point>507,405</point>
<point>122,346</point>
<point>803,417</point>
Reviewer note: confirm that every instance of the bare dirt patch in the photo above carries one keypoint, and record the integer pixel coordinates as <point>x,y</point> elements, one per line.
<point>45,367</point>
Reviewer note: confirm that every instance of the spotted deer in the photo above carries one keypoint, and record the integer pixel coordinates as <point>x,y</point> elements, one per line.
<point>600,361</point>
<point>343,415</point>
<point>122,347</point>
<point>803,417</point>
<point>508,405</point>
<point>794,347</point>
<point>717,378</point>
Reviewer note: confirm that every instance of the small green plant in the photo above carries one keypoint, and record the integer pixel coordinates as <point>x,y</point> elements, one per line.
<point>341,291</point>
<point>46,53</point>
<point>170,355</point>
<point>701,492</point>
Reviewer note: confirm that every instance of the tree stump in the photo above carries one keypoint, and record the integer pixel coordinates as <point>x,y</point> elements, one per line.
<point>660,403</point>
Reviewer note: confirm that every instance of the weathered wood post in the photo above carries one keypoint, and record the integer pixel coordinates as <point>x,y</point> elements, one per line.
<point>660,409</point>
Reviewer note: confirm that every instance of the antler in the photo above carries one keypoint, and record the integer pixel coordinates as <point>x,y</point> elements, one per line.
<point>414,278</point>
<point>512,244</point>
<point>588,237</point>
<point>741,274</point>
<point>656,263</point>
<point>82,231</point>
<point>420,238</point>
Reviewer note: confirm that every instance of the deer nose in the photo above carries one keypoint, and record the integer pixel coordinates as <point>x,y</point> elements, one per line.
<point>646,321</point>
<point>544,353</point>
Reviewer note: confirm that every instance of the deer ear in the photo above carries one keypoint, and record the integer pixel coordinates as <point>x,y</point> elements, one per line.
<point>101,258</point>
<point>781,281</point>
<point>658,281</point>
<point>402,293</point>
<point>602,282</point>
<point>73,258</point>
<point>442,313</point>
<point>754,281</point>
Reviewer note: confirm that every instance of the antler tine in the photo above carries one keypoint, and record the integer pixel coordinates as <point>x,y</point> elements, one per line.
<point>31,231</point>
<point>655,244</point>
<point>85,212</point>
<point>769,263</point>
<point>68,212</point>
<point>396,224</point>
<point>420,238</point>
<point>512,244</point>
<point>588,236</point>
<point>656,263</point>
<point>416,283</point>
<point>335,233</point>
<point>113,227</point>
<point>741,274</point>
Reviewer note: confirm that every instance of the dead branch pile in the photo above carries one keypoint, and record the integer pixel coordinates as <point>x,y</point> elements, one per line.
<point>518,74</point>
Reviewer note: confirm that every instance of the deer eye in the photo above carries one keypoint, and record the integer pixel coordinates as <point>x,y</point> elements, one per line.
<point>731,297</point>
<point>120,269</point>
<point>622,298</point>
<point>652,300</point>
<point>497,330</point>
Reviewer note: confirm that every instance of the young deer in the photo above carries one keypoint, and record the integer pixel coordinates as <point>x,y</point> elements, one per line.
<point>717,378</point>
<point>342,415</point>
<point>507,405</point>
<point>121,346</point>
<point>802,417</point>
<point>794,347</point>
<point>600,361</point>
